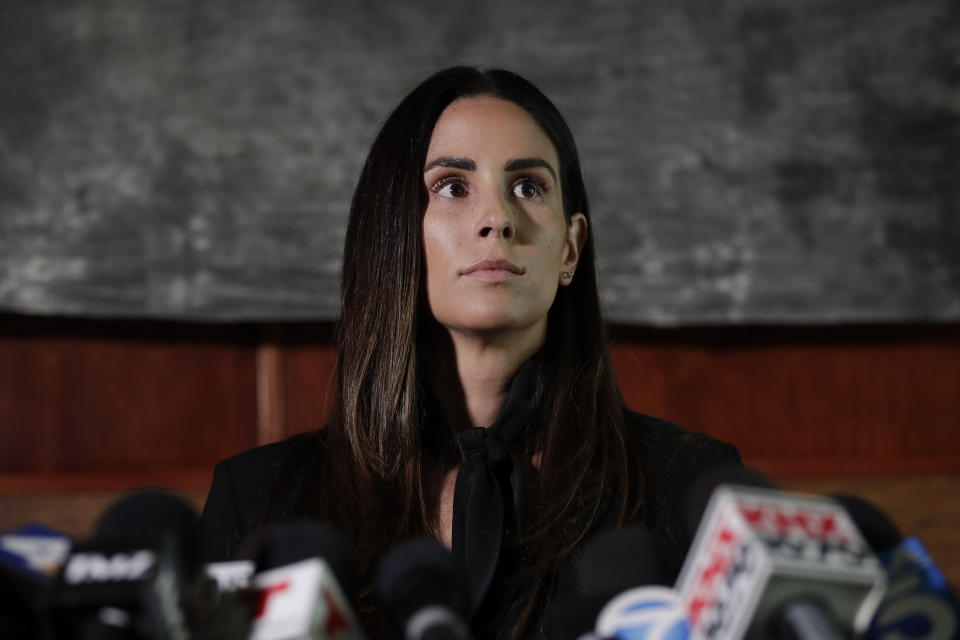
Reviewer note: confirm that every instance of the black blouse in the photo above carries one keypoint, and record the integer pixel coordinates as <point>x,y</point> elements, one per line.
<point>670,457</point>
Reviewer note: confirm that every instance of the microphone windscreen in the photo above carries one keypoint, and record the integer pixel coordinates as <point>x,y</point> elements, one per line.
<point>571,617</point>
<point>145,516</point>
<point>620,559</point>
<point>876,527</point>
<point>418,573</point>
<point>701,488</point>
<point>289,542</point>
<point>22,595</point>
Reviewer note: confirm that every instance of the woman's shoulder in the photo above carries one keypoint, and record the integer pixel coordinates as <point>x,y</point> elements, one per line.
<point>672,458</point>
<point>666,446</point>
<point>245,485</point>
<point>268,458</point>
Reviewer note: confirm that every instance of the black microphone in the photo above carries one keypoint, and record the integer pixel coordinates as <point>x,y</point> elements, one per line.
<point>23,592</point>
<point>619,559</point>
<point>614,562</point>
<point>919,602</point>
<point>133,578</point>
<point>701,489</point>
<point>421,586</point>
<point>766,564</point>
<point>304,582</point>
<point>881,533</point>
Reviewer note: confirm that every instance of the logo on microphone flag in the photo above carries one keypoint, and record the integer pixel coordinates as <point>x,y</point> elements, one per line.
<point>645,613</point>
<point>302,600</point>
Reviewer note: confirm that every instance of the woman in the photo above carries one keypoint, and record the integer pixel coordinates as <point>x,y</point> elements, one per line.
<point>475,398</point>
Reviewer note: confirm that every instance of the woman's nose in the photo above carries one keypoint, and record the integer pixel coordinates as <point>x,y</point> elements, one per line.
<point>504,230</point>
<point>497,221</point>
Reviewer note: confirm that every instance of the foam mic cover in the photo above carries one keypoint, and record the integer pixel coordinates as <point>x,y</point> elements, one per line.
<point>701,489</point>
<point>131,579</point>
<point>879,530</point>
<point>421,586</point>
<point>147,516</point>
<point>619,559</point>
<point>29,556</point>
<point>22,594</point>
<point>919,602</point>
<point>615,561</point>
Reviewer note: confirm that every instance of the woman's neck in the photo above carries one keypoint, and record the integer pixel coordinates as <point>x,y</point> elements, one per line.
<point>472,377</point>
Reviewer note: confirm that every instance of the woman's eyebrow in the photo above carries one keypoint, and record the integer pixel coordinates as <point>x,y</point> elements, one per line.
<point>528,163</point>
<point>453,163</point>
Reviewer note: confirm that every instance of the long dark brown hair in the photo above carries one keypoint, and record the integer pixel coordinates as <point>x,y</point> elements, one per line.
<point>379,481</point>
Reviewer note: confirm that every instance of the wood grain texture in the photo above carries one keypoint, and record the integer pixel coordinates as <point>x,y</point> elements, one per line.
<point>855,400</point>
<point>747,161</point>
<point>90,409</point>
<point>74,514</point>
<point>85,396</point>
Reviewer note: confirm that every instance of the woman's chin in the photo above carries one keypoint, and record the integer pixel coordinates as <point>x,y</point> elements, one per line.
<point>493,322</point>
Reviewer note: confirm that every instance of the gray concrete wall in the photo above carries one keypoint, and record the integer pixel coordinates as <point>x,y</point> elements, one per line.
<point>747,160</point>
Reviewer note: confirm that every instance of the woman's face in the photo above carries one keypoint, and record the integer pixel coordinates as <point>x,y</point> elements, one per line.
<point>495,237</point>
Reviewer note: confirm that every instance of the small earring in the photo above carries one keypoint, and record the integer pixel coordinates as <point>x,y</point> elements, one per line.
<point>567,274</point>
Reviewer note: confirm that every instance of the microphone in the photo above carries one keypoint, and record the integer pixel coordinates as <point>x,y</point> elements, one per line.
<point>132,579</point>
<point>421,586</point>
<point>650,612</point>
<point>919,602</point>
<point>36,547</point>
<point>29,556</point>
<point>231,576</point>
<point>766,564</point>
<point>305,573</point>
<point>614,562</point>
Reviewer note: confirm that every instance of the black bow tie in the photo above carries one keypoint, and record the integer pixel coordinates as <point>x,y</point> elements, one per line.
<point>490,496</point>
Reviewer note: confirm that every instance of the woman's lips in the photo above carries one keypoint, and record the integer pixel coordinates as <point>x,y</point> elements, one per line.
<point>488,270</point>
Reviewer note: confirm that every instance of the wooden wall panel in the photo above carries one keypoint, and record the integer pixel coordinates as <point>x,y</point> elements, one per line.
<point>310,383</point>
<point>798,402</point>
<point>85,397</point>
<point>88,409</point>
<point>307,370</point>
<point>806,401</point>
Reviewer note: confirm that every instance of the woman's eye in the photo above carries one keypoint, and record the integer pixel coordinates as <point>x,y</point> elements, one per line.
<point>528,188</point>
<point>450,187</point>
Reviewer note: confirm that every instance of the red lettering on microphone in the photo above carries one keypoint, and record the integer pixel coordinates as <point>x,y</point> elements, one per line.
<point>264,595</point>
<point>336,620</point>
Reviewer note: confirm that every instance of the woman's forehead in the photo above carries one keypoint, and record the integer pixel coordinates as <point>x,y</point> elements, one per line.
<point>489,126</point>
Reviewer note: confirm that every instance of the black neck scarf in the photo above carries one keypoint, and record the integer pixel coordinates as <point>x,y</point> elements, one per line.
<point>490,496</point>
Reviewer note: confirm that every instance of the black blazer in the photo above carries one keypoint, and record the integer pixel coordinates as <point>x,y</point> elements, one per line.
<point>670,456</point>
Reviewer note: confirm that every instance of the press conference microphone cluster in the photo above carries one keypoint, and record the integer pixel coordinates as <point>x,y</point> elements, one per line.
<point>766,564</point>
<point>919,603</point>
<point>423,589</point>
<point>134,577</point>
<point>616,562</point>
<point>763,564</point>
<point>621,591</point>
<point>140,577</point>
<point>303,584</point>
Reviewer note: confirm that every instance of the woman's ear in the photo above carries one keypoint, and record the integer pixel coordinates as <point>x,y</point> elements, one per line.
<point>576,236</point>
